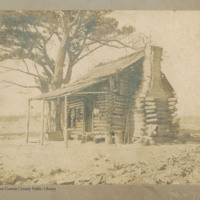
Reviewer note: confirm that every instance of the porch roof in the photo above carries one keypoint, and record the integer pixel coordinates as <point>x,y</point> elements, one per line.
<point>98,74</point>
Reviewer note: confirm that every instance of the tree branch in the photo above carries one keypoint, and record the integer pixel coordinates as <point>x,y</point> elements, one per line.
<point>88,53</point>
<point>26,66</point>
<point>17,84</point>
<point>19,70</point>
<point>5,50</point>
<point>36,69</point>
<point>75,19</point>
<point>9,70</point>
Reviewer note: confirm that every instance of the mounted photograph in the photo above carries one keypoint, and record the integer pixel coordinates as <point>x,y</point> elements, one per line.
<point>92,97</point>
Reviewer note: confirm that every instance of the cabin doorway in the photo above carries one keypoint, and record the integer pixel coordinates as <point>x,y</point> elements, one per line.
<point>88,115</point>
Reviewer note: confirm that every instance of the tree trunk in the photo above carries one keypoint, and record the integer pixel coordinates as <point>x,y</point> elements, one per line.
<point>44,86</point>
<point>58,80</point>
<point>58,75</point>
<point>56,116</point>
<point>69,74</point>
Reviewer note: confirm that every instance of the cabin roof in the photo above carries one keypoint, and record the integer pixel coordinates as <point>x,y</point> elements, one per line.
<point>98,74</point>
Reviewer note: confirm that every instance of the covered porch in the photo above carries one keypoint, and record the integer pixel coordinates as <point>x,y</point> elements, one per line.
<point>65,114</point>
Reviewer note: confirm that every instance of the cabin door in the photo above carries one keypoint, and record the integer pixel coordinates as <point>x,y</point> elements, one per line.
<point>88,115</point>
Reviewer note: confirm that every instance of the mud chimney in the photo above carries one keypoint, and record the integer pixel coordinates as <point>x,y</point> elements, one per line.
<point>156,69</point>
<point>157,88</point>
<point>155,103</point>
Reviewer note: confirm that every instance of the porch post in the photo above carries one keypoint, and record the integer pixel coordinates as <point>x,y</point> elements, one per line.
<point>28,119</point>
<point>42,134</point>
<point>49,104</point>
<point>66,121</point>
<point>83,128</point>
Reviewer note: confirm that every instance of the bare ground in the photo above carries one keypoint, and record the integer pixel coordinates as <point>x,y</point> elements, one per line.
<point>90,163</point>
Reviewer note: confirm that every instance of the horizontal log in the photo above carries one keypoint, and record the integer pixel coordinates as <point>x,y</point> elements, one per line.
<point>119,107</point>
<point>76,106</point>
<point>174,115</point>
<point>117,113</point>
<point>75,103</point>
<point>118,117</point>
<point>124,90</point>
<point>115,123</point>
<point>79,124</point>
<point>100,133</point>
<point>122,100</point>
<point>172,99</point>
<point>150,111</point>
<point>162,110</point>
<point>172,108</point>
<point>102,104</point>
<point>172,103</point>
<point>100,118</point>
<point>150,103</point>
<point>100,125</point>
<point>163,113</point>
<point>139,102</point>
<point>150,107</point>
<point>119,103</point>
<point>77,132</point>
<point>124,87</point>
<point>77,128</point>
<point>124,93</point>
<point>117,120</point>
<point>151,115</point>
<point>117,126</point>
<point>99,99</point>
<point>150,99</point>
<point>100,130</point>
<point>117,129</point>
<point>99,121</point>
<point>118,110</point>
<point>152,120</point>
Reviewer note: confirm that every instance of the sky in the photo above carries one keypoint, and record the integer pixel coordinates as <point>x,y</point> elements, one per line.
<point>177,32</point>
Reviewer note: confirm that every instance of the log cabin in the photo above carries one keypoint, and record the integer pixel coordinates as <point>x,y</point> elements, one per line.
<point>128,98</point>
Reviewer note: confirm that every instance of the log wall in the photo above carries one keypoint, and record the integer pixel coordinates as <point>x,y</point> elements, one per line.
<point>117,117</point>
<point>76,104</point>
<point>100,125</point>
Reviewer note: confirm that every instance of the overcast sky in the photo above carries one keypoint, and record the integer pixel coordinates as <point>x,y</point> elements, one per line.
<point>177,32</point>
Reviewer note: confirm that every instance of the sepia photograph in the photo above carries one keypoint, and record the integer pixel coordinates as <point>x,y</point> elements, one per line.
<point>99,97</point>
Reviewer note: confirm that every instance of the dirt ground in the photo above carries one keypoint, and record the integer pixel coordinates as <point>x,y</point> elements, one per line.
<point>90,163</point>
